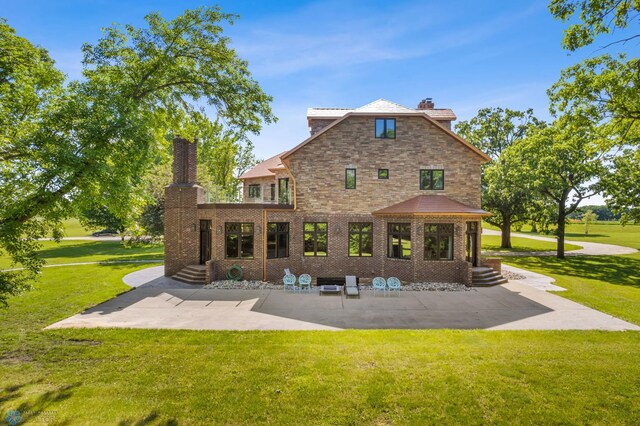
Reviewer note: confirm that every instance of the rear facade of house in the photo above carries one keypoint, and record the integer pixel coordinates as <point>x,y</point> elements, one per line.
<point>381,190</point>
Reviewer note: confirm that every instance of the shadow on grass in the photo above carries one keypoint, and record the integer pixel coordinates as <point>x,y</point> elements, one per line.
<point>113,249</point>
<point>618,270</point>
<point>41,407</point>
<point>568,236</point>
<point>151,418</point>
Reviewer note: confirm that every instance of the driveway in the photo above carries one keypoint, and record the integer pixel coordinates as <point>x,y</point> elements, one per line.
<point>160,302</point>
<point>588,248</point>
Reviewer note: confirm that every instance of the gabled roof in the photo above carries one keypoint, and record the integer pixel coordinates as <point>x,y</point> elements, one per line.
<point>398,112</point>
<point>265,168</point>
<point>380,106</point>
<point>431,205</point>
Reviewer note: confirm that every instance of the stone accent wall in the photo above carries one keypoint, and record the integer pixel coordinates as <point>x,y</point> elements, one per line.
<point>419,144</point>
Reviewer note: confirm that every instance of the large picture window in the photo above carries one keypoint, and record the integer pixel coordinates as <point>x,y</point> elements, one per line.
<point>254,191</point>
<point>277,240</point>
<point>315,238</point>
<point>350,178</point>
<point>432,179</point>
<point>438,241</point>
<point>238,240</point>
<point>361,239</point>
<point>386,128</point>
<point>399,241</point>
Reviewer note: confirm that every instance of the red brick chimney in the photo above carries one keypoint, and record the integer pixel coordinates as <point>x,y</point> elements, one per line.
<point>426,104</point>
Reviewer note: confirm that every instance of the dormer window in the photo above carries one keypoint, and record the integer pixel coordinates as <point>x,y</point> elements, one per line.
<point>385,128</point>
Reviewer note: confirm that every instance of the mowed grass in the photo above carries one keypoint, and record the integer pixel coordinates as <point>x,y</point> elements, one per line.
<point>117,376</point>
<point>608,283</point>
<point>519,244</point>
<point>601,232</point>
<point>73,228</point>
<point>72,251</point>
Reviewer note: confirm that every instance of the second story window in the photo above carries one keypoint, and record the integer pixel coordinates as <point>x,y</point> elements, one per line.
<point>350,178</point>
<point>254,191</point>
<point>432,179</point>
<point>386,128</point>
<point>273,192</point>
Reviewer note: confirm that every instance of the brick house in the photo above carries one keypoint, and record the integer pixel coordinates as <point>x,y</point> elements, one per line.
<point>380,190</point>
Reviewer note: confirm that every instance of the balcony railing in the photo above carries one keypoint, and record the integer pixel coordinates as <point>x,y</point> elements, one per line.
<point>218,198</point>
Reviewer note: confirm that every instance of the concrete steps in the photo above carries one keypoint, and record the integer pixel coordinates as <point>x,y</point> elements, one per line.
<point>486,277</point>
<point>192,274</point>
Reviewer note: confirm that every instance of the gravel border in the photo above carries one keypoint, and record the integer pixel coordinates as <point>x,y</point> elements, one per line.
<point>512,275</point>
<point>263,285</point>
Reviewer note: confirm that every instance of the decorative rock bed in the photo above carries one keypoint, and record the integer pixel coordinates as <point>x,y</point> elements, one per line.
<point>263,285</point>
<point>512,275</point>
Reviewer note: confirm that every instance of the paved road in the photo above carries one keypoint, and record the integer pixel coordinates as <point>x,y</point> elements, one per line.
<point>588,248</point>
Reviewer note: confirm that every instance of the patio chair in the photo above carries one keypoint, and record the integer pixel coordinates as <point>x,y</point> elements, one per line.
<point>379,284</point>
<point>394,285</point>
<point>351,288</point>
<point>287,271</point>
<point>289,282</point>
<point>304,280</point>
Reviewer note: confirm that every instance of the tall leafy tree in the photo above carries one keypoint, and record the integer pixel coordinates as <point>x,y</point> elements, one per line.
<point>493,130</point>
<point>606,89</point>
<point>562,163</point>
<point>94,138</point>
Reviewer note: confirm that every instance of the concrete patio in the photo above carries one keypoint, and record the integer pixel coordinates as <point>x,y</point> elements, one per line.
<point>160,302</point>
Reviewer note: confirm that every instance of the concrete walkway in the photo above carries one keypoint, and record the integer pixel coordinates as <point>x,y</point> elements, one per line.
<point>588,248</point>
<point>161,302</point>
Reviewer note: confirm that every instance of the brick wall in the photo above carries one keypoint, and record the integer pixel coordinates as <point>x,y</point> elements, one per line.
<point>418,144</point>
<point>317,124</point>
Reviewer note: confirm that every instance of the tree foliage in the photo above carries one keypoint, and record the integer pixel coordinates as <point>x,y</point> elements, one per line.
<point>606,89</point>
<point>494,130</point>
<point>595,17</point>
<point>562,163</point>
<point>65,146</point>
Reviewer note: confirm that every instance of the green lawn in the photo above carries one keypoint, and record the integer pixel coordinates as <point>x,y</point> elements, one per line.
<point>71,251</point>
<point>373,377</point>
<point>519,244</point>
<point>73,228</point>
<point>601,232</point>
<point>127,377</point>
<point>608,283</point>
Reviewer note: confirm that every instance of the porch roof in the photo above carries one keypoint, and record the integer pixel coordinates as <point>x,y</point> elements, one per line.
<point>431,205</point>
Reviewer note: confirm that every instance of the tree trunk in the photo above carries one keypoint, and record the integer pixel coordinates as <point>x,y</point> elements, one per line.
<point>534,228</point>
<point>506,232</point>
<point>561,222</point>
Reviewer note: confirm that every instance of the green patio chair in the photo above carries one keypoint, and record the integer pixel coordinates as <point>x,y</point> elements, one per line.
<point>304,281</point>
<point>394,285</point>
<point>289,282</point>
<point>379,284</point>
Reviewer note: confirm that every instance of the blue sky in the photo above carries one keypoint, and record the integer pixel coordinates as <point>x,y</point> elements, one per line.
<point>465,54</point>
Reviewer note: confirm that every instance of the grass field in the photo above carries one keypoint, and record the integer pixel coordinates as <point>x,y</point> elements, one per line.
<point>601,232</point>
<point>73,228</point>
<point>492,243</point>
<point>110,376</point>
<point>127,377</point>
<point>72,251</point>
